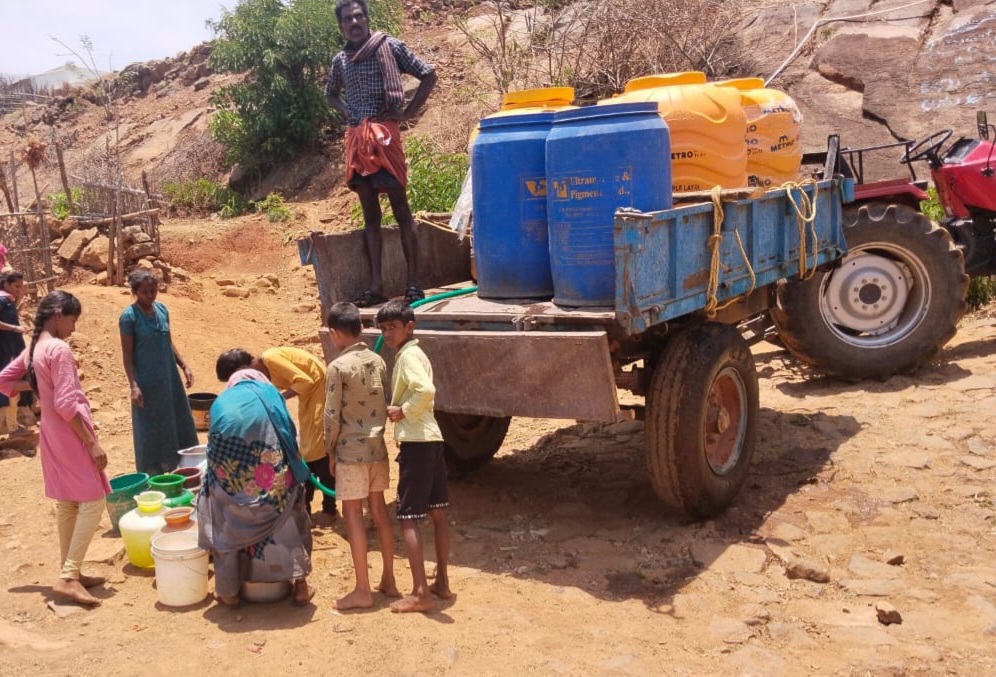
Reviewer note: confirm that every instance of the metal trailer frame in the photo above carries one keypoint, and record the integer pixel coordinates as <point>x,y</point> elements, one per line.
<point>496,359</point>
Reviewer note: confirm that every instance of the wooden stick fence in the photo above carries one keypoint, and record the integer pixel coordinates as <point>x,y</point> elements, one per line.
<point>25,231</point>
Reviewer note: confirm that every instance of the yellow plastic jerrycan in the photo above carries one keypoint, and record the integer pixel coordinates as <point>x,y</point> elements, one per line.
<point>774,132</point>
<point>138,526</point>
<point>707,126</point>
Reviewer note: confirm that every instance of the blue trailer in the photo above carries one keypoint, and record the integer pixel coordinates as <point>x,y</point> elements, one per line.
<point>687,282</point>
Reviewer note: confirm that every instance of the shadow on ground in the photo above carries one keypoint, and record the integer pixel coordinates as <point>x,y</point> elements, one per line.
<point>576,509</point>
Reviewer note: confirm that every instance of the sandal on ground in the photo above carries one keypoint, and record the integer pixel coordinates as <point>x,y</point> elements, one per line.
<point>369,298</point>
<point>413,294</point>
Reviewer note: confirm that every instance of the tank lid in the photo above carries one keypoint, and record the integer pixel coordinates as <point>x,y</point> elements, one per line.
<point>552,97</point>
<point>541,118</point>
<point>743,84</point>
<point>665,80</point>
<point>614,110</point>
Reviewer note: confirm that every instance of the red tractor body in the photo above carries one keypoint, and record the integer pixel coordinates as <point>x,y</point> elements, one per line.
<point>964,179</point>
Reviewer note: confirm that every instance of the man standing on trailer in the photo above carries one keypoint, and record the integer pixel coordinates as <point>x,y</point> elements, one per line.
<point>369,69</point>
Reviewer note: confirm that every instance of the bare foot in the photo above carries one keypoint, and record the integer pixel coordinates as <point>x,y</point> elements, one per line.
<point>92,581</point>
<point>303,593</point>
<point>232,601</point>
<point>73,590</point>
<point>412,603</point>
<point>354,600</point>
<point>441,589</point>
<point>389,588</point>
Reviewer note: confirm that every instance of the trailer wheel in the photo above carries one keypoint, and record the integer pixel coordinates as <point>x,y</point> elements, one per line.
<point>471,441</point>
<point>702,419</point>
<point>891,304</point>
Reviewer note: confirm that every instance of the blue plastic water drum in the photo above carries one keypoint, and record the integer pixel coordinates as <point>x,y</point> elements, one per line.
<point>599,159</point>
<point>508,173</point>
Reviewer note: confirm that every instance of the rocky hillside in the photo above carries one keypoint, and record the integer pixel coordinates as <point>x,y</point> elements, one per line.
<point>891,74</point>
<point>873,70</point>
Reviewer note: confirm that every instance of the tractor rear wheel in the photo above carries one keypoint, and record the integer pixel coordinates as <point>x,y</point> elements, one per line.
<point>471,441</point>
<point>890,304</point>
<point>701,426</point>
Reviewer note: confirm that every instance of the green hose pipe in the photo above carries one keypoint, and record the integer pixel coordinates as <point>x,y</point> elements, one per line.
<point>321,487</point>
<point>429,299</point>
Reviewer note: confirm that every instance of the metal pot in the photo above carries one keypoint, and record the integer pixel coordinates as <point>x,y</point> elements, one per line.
<point>192,457</point>
<point>265,592</point>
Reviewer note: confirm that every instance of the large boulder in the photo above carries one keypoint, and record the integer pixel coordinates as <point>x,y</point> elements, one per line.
<point>135,235</point>
<point>141,249</point>
<point>74,243</point>
<point>880,76</point>
<point>95,255</point>
<point>954,73</point>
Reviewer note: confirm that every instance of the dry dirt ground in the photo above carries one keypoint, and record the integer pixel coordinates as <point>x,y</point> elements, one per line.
<point>563,562</point>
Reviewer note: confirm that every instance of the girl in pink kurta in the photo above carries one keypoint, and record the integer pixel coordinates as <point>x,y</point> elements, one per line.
<point>72,460</point>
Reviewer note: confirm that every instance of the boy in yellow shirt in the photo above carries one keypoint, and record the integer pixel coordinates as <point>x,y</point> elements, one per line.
<point>422,487</point>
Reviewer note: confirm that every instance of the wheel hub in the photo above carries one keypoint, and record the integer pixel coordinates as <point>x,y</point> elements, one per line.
<point>725,422</point>
<point>867,293</point>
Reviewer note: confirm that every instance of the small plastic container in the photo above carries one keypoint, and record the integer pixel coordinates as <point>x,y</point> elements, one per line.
<point>171,485</point>
<point>178,517</point>
<point>192,477</point>
<point>200,408</point>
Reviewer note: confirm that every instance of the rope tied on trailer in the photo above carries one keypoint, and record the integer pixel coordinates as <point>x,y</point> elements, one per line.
<point>805,217</point>
<point>715,241</point>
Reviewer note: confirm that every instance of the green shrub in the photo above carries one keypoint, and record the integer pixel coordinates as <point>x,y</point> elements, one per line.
<point>233,205</point>
<point>273,206</point>
<point>981,291</point>
<point>204,196</point>
<point>284,48</point>
<point>434,179</point>
<point>60,205</point>
<point>931,207</point>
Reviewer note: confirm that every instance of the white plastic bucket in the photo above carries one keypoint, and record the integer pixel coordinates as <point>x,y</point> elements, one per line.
<point>181,569</point>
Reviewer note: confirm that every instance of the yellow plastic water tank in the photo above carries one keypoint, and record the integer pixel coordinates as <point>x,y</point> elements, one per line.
<point>774,132</point>
<point>707,125</point>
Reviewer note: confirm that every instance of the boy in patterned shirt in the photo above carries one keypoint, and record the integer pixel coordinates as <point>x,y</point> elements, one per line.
<point>355,417</point>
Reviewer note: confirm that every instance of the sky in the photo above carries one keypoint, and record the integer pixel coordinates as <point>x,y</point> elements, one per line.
<point>122,31</point>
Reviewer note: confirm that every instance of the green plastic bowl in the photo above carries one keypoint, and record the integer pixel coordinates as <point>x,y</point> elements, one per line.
<point>169,484</point>
<point>129,485</point>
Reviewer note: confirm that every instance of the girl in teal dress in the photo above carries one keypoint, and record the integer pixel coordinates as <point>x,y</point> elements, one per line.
<point>160,412</point>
